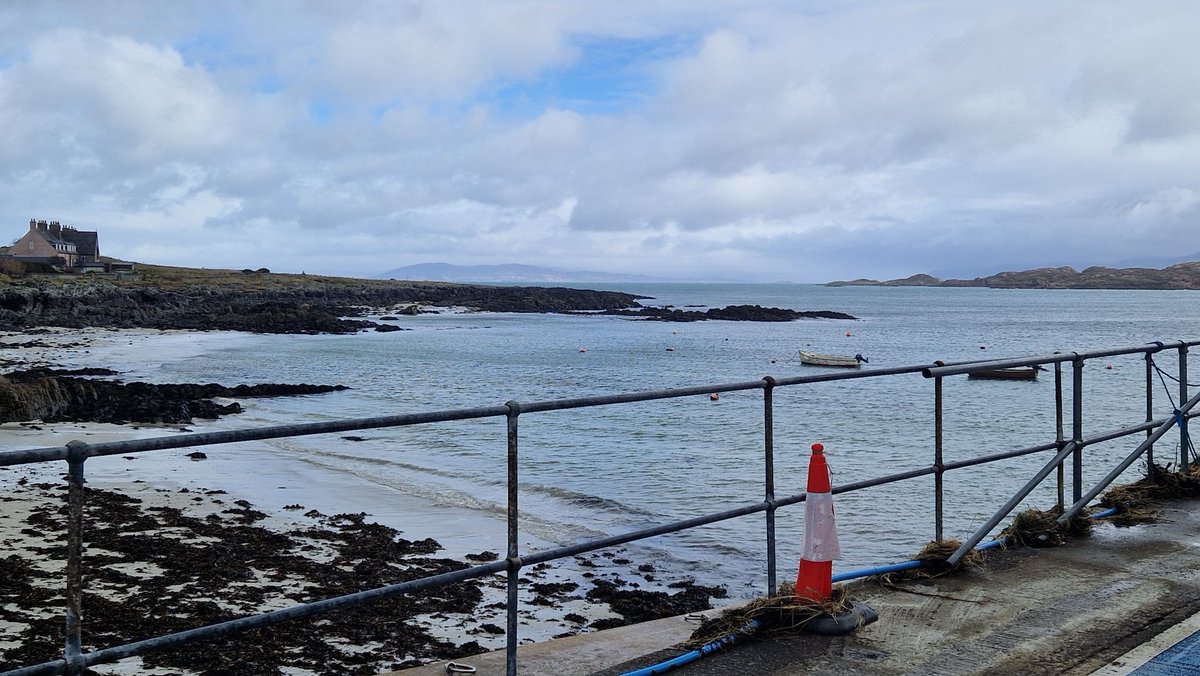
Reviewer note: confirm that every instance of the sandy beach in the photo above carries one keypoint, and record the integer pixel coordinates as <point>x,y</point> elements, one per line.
<point>173,542</point>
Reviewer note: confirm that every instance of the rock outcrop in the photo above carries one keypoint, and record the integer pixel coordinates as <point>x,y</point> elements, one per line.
<point>298,307</point>
<point>735,313</point>
<point>43,394</point>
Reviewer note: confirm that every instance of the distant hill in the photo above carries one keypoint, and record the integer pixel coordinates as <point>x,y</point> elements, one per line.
<point>511,273</point>
<point>1180,276</point>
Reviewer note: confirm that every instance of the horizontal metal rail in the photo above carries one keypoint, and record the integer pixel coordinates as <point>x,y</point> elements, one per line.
<point>75,453</point>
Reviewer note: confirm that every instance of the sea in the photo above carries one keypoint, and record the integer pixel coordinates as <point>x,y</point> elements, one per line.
<point>595,472</point>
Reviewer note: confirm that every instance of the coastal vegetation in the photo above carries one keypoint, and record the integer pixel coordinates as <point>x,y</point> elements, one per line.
<point>259,301</point>
<point>1180,276</point>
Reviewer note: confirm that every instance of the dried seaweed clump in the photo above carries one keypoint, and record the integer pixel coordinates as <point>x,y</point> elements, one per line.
<point>1137,502</point>
<point>1040,528</point>
<point>770,616</point>
<point>933,559</point>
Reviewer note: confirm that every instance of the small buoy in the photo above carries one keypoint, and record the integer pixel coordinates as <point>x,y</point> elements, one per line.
<point>670,349</point>
<point>849,333</point>
<point>983,347</point>
<point>1109,366</point>
<point>714,396</point>
<point>583,349</point>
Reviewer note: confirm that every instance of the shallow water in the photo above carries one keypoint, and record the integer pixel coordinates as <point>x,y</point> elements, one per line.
<point>606,470</point>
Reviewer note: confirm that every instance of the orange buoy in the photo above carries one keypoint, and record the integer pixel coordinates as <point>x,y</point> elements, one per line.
<point>1109,366</point>
<point>714,396</point>
<point>849,333</point>
<point>583,349</point>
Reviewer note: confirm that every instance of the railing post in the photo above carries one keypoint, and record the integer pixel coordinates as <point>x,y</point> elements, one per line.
<point>1077,429</point>
<point>1184,441</point>
<point>769,479</point>
<point>938,464</point>
<point>1149,410</point>
<point>1058,430</point>
<point>74,619</point>
<point>514,554</point>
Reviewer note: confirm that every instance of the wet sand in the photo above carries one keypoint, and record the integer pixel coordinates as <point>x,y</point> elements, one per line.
<point>173,543</point>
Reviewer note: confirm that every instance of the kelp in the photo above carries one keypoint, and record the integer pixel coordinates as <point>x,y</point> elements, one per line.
<point>781,614</point>
<point>1139,501</point>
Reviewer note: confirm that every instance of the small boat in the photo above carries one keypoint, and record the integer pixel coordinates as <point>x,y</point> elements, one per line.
<point>818,359</point>
<point>1014,373</point>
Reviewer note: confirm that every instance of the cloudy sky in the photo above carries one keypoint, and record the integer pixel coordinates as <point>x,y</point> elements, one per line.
<point>800,140</point>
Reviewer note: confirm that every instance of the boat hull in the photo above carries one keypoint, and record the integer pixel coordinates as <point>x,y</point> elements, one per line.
<point>1021,373</point>
<point>835,360</point>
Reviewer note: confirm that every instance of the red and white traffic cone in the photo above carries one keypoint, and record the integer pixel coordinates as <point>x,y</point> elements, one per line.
<point>815,580</point>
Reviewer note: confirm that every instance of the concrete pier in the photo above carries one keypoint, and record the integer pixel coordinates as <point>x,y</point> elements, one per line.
<point>1097,604</point>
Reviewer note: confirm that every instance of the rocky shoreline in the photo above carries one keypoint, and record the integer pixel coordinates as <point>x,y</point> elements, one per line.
<point>52,395</point>
<point>207,300</point>
<point>160,557</point>
<point>160,561</point>
<point>298,307</point>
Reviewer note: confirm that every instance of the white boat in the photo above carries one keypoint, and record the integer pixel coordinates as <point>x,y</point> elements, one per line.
<point>843,361</point>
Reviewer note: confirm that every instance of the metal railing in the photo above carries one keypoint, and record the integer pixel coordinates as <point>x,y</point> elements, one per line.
<point>75,454</point>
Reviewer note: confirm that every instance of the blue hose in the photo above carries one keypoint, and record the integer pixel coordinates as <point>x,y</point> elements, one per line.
<point>687,658</point>
<point>752,625</point>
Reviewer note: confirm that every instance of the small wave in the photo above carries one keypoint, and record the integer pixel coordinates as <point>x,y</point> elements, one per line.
<point>586,500</point>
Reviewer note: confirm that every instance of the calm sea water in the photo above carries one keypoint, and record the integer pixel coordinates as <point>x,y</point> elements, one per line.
<point>599,471</point>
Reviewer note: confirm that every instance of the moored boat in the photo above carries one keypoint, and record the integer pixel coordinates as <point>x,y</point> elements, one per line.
<point>842,361</point>
<point>1014,373</point>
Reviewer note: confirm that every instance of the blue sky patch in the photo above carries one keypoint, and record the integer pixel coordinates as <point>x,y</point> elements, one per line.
<point>611,75</point>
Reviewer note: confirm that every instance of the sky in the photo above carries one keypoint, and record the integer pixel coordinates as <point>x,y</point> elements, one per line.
<point>798,140</point>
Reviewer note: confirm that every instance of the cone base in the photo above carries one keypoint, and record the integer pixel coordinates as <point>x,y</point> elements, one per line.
<point>814,583</point>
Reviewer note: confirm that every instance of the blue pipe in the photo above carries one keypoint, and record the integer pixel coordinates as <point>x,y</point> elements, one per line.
<point>752,625</point>
<point>879,570</point>
<point>688,658</point>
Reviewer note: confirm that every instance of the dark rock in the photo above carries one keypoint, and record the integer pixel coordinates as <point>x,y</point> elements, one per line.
<point>640,605</point>
<point>734,313</point>
<point>304,306</point>
<point>36,394</point>
<point>484,556</point>
<point>197,455</point>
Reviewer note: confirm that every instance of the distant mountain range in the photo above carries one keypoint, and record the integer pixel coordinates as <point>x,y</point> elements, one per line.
<point>506,274</point>
<point>1180,276</point>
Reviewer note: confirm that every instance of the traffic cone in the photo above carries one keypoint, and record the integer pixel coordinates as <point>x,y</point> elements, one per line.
<point>815,579</point>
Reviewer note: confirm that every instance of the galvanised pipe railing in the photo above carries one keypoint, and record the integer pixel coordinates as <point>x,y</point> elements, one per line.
<point>76,453</point>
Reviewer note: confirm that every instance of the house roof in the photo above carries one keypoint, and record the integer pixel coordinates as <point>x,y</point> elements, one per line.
<point>86,241</point>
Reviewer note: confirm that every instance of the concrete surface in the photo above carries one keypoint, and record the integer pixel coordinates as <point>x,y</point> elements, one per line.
<point>1066,610</point>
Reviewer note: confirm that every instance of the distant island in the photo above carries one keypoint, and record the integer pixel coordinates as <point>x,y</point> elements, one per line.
<point>1180,276</point>
<point>508,273</point>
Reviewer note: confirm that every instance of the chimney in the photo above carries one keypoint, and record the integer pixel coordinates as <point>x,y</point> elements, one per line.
<point>41,225</point>
<point>32,225</point>
<point>55,228</point>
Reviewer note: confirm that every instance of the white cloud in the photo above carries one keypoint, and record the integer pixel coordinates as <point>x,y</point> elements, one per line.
<point>832,139</point>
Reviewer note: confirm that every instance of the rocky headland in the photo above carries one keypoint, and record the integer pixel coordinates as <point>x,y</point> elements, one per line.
<point>263,302</point>
<point>185,298</point>
<point>1181,276</point>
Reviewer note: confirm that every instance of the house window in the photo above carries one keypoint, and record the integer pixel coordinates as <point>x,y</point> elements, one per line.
<point>31,246</point>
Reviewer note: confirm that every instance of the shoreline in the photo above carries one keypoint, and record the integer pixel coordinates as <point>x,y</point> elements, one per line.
<point>555,599</point>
